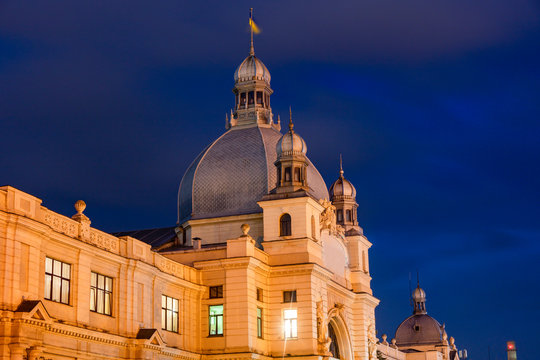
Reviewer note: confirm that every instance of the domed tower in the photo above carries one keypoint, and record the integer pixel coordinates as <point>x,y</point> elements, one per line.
<point>291,162</point>
<point>421,332</point>
<point>228,178</point>
<point>343,197</point>
<point>252,92</point>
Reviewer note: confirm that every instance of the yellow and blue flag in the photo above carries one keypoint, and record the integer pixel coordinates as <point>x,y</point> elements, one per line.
<point>256,29</point>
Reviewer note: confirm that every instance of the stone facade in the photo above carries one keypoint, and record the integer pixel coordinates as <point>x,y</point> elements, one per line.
<point>33,327</point>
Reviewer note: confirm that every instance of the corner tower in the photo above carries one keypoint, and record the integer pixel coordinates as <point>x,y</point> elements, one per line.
<point>291,162</point>
<point>343,197</point>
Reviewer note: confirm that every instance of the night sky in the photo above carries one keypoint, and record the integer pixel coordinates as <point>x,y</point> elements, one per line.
<point>433,104</point>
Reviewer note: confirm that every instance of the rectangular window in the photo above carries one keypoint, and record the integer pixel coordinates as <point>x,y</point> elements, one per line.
<point>259,294</point>
<point>216,292</point>
<point>289,296</point>
<point>259,323</point>
<point>169,313</point>
<point>259,97</point>
<point>340,215</point>
<point>101,294</point>
<point>243,99</point>
<point>57,280</point>
<point>215,320</point>
<point>251,96</point>
<point>290,323</point>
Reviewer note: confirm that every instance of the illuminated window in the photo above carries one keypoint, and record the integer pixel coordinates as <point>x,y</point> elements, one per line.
<point>57,280</point>
<point>289,296</point>
<point>101,294</point>
<point>216,292</point>
<point>169,313</point>
<point>285,225</point>
<point>259,323</point>
<point>290,323</point>
<point>215,320</point>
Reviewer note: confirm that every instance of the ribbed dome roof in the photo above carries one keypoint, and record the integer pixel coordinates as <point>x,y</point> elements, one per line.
<point>252,69</point>
<point>420,329</point>
<point>291,143</point>
<point>342,187</point>
<point>233,173</point>
<point>419,294</point>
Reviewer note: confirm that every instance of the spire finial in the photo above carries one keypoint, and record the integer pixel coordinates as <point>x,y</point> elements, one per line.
<point>251,49</point>
<point>340,166</point>
<point>291,125</point>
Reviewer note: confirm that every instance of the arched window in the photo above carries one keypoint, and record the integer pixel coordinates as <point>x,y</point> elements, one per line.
<point>313,228</point>
<point>285,225</point>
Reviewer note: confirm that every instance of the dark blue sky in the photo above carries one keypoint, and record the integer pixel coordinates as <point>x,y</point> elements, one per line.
<point>434,105</point>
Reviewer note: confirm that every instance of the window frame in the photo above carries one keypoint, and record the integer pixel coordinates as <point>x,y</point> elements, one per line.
<point>165,310</point>
<point>260,332</point>
<point>291,294</point>
<point>215,292</point>
<point>95,289</point>
<point>285,225</point>
<point>217,318</point>
<point>49,285</point>
<point>293,324</point>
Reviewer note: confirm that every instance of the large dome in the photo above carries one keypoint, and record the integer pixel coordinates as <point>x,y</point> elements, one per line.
<point>419,329</point>
<point>233,173</point>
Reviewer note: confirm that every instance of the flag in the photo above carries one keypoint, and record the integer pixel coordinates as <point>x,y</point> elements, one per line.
<point>254,26</point>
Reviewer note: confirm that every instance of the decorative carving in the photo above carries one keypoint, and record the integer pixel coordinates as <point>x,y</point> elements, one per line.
<point>328,215</point>
<point>79,216</point>
<point>245,229</point>
<point>323,341</point>
<point>169,267</point>
<point>372,341</point>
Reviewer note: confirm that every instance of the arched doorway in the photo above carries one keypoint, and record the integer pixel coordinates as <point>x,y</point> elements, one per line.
<point>340,347</point>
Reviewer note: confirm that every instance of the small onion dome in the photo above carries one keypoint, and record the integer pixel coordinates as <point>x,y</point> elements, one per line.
<point>291,143</point>
<point>252,69</point>
<point>342,187</point>
<point>419,295</point>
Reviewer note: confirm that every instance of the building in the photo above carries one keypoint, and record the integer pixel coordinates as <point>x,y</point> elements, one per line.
<point>265,262</point>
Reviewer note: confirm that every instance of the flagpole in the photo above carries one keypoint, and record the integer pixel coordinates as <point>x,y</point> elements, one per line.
<point>251,49</point>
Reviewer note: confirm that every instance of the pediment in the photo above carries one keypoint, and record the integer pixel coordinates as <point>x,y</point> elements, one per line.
<point>33,309</point>
<point>150,337</point>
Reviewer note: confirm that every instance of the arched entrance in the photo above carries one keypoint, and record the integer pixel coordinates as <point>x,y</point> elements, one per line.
<point>340,347</point>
